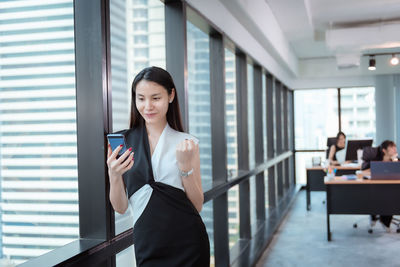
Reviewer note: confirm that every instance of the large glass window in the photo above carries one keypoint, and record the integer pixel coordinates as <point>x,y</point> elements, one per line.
<point>358,112</point>
<point>137,41</point>
<point>264,114</point>
<point>38,147</point>
<point>230,109</point>
<point>316,117</point>
<point>199,97</point>
<point>252,154</point>
<point>233,215</point>
<point>198,54</point>
<point>303,161</point>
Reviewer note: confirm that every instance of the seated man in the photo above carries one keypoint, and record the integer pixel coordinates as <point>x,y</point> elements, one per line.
<point>387,151</point>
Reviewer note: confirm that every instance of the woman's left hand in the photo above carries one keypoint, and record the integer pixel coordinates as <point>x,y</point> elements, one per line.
<point>185,153</point>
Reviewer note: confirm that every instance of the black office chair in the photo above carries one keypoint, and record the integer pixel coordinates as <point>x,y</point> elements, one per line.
<point>370,153</point>
<point>330,142</point>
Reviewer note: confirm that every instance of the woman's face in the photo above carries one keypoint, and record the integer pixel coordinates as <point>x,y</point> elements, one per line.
<point>152,101</point>
<point>341,141</point>
<point>391,151</point>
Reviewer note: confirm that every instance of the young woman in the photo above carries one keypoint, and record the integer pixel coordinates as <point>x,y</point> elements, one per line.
<point>162,183</point>
<point>340,144</point>
<point>387,151</point>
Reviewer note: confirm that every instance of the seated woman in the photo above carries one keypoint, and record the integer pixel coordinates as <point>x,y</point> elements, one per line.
<point>340,144</point>
<point>387,151</point>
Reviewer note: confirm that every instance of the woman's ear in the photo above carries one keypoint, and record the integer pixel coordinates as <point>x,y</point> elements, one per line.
<point>172,95</point>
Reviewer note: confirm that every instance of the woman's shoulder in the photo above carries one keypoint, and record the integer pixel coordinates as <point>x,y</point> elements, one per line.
<point>180,136</point>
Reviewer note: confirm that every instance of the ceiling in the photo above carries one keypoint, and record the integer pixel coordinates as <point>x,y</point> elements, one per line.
<point>341,29</point>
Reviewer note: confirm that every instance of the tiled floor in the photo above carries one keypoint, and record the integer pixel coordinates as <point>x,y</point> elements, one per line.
<point>301,240</point>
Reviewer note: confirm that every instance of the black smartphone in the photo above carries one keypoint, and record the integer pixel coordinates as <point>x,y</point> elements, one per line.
<point>116,140</point>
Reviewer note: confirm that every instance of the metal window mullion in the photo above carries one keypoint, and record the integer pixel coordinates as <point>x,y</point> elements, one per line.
<point>339,109</point>
<point>176,52</point>
<point>243,144</point>
<point>258,136</point>
<point>93,105</point>
<point>292,142</point>
<point>219,148</point>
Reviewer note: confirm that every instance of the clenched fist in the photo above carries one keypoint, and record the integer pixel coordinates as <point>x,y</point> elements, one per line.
<point>185,154</point>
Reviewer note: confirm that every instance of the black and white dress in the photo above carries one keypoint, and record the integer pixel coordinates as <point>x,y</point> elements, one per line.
<point>167,229</point>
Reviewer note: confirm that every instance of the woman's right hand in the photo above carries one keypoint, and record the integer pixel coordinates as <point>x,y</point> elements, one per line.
<point>117,167</point>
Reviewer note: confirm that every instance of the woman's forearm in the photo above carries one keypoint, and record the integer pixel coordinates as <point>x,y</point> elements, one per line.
<point>193,191</point>
<point>118,197</point>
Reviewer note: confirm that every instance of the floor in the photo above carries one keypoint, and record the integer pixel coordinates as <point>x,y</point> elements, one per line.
<point>301,240</point>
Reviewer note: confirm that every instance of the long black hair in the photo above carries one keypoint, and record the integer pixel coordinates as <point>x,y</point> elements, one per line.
<point>163,78</point>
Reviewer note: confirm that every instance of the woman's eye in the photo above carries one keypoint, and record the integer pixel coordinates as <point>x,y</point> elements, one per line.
<point>156,98</point>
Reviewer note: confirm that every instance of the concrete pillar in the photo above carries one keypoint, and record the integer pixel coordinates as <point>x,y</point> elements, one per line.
<point>385,106</point>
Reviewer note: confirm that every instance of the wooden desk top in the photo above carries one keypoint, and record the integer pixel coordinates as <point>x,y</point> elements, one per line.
<point>335,167</point>
<point>340,180</point>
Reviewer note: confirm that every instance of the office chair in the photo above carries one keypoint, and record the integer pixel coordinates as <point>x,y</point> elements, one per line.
<point>370,153</point>
<point>330,142</point>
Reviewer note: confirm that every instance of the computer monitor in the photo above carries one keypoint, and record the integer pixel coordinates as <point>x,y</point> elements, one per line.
<point>354,145</point>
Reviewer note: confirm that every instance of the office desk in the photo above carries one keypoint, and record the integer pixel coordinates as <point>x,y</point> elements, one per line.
<point>361,197</point>
<point>315,179</point>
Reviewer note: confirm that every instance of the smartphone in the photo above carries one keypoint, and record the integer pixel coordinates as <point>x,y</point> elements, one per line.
<point>116,140</point>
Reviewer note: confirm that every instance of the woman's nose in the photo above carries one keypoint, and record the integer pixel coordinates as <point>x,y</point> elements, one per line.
<point>148,104</point>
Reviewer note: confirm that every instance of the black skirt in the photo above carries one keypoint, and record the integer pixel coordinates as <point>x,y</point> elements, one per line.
<point>170,231</point>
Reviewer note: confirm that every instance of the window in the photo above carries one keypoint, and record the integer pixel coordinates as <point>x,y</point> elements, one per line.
<point>131,51</point>
<point>233,214</point>
<point>127,58</point>
<point>199,89</point>
<point>198,55</point>
<point>251,133</point>
<point>316,117</point>
<point>303,161</point>
<point>38,144</point>
<point>360,122</point>
<point>230,107</point>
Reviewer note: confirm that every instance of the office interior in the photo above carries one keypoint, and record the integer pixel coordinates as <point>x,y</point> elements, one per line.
<point>262,85</point>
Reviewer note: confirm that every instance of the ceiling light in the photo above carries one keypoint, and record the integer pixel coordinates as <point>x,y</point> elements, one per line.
<point>394,60</point>
<point>372,63</point>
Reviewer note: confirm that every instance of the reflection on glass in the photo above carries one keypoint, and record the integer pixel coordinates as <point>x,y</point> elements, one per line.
<point>233,215</point>
<point>358,112</point>
<point>199,97</point>
<point>207,216</point>
<point>38,151</point>
<point>316,117</point>
<point>137,41</point>
<point>231,123</point>
<point>303,161</point>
